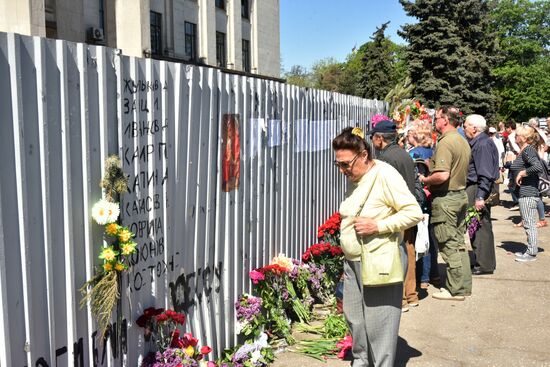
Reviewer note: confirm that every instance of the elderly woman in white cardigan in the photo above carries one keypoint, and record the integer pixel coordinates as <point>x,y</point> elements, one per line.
<point>378,206</point>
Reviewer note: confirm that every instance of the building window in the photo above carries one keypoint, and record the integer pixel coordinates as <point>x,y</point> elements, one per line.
<point>220,4</point>
<point>101,15</point>
<point>220,49</point>
<point>245,10</point>
<point>191,41</point>
<point>246,56</point>
<point>156,33</point>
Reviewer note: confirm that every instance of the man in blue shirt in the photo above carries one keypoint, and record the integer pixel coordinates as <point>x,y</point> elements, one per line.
<point>482,173</point>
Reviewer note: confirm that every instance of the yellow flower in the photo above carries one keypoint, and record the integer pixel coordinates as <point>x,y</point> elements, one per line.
<point>108,266</point>
<point>190,351</point>
<point>108,254</point>
<point>125,235</point>
<point>128,248</point>
<point>120,266</point>
<point>112,229</point>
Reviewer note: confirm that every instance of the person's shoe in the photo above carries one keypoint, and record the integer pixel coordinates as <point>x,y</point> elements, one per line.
<point>413,304</point>
<point>445,295</point>
<point>542,223</point>
<point>477,271</point>
<point>519,253</point>
<point>526,258</point>
<point>404,309</point>
<point>424,285</point>
<point>514,208</point>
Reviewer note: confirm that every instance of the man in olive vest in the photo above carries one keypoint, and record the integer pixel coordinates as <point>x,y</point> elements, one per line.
<point>447,183</point>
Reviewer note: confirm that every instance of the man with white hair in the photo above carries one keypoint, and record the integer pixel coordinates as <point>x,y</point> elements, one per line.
<point>482,172</point>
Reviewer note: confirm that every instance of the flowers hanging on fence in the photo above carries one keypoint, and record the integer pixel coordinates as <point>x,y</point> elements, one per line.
<point>103,290</point>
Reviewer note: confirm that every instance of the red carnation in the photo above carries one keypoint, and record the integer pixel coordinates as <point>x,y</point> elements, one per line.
<point>162,317</point>
<point>206,349</point>
<point>175,339</point>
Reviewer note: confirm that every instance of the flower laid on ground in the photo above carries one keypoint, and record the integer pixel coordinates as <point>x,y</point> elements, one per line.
<point>172,349</point>
<point>344,346</point>
<point>256,353</point>
<point>330,230</point>
<point>249,315</point>
<point>472,220</point>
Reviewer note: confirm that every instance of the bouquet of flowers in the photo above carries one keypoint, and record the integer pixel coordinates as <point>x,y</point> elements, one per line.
<point>327,255</point>
<point>172,350</point>
<point>409,110</point>
<point>102,291</point>
<point>473,221</point>
<point>249,315</point>
<point>344,346</point>
<point>330,230</point>
<point>300,276</point>
<point>256,353</point>
<point>277,293</point>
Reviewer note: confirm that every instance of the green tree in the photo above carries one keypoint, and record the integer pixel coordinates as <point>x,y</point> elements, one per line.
<point>327,74</point>
<point>451,53</point>
<point>523,74</point>
<point>378,75</point>
<point>298,75</point>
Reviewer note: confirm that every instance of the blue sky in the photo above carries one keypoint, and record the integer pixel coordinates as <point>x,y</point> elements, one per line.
<point>312,30</point>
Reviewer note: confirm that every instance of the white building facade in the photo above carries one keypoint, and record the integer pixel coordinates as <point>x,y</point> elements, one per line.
<point>239,35</point>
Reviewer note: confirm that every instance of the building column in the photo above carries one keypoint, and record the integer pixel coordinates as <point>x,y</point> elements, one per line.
<point>133,32</point>
<point>234,36</point>
<point>26,17</point>
<point>207,32</point>
<point>169,27</point>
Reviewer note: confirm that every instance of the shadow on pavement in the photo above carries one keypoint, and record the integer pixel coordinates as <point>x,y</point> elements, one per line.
<point>405,352</point>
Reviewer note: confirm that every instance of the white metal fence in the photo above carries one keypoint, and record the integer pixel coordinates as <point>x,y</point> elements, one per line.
<point>65,107</point>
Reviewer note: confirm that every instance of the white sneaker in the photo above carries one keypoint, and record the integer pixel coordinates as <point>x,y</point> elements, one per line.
<point>445,295</point>
<point>526,258</point>
<point>514,208</point>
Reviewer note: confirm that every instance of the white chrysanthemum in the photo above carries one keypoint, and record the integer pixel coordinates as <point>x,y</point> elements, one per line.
<point>239,327</point>
<point>105,212</point>
<point>262,341</point>
<point>255,356</point>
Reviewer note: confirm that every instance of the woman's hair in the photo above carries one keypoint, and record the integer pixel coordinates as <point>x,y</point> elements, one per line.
<point>347,140</point>
<point>422,133</point>
<point>532,137</point>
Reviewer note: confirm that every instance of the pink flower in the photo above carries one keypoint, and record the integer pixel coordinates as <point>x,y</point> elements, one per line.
<point>256,276</point>
<point>377,118</point>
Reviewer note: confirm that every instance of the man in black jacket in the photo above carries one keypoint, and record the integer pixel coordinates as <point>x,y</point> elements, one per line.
<point>482,173</point>
<point>383,138</point>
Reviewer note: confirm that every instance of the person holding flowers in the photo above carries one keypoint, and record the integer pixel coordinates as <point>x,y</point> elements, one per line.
<point>378,207</point>
<point>483,171</point>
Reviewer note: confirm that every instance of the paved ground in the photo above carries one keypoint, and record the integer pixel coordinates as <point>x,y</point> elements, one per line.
<point>505,323</point>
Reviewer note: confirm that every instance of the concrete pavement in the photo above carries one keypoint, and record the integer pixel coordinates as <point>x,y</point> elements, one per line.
<point>506,322</point>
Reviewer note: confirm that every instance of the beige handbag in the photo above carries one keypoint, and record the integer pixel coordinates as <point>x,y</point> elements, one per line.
<point>380,258</point>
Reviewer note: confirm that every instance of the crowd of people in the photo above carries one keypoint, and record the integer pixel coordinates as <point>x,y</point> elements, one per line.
<point>435,171</point>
